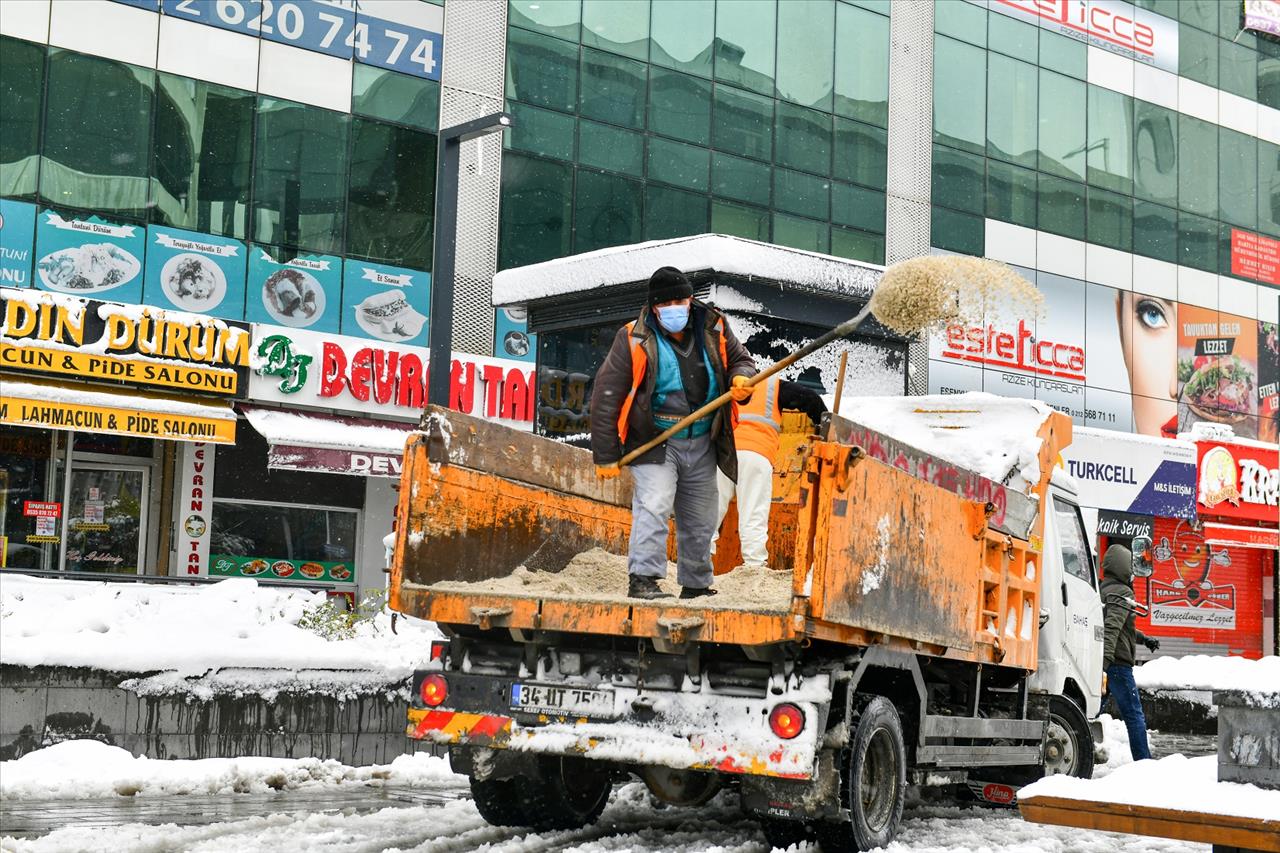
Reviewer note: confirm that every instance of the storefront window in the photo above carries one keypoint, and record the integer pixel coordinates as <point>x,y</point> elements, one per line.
<point>537,211</point>
<point>106,517</point>
<point>390,96</point>
<point>1011,111</point>
<point>683,34</point>
<point>862,65</point>
<point>613,89</point>
<point>97,134</point>
<point>673,213</point>
<point>959,94</point>
<point>621,26</point>
<point>679,106</point>
<point>299,188</point>
<point>21,100</point>
<point>283,541</point>
<point>567,363</point>
<point>607,211</point>
<point>743,123</point>
<point>29,534</point>
<point>202,156</point>
<point>806,58</point>
<point>745,43</point>
<point>392,194</point>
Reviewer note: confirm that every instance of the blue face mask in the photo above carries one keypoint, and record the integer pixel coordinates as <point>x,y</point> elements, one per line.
<point>673,318</point>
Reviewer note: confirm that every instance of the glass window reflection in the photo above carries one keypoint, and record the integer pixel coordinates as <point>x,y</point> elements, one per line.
<point>682,35</point>
<point>806,52</point>
<point>620,26</point>
<point>745,43</point>
<point>862,65</point>
<point>21,104</point>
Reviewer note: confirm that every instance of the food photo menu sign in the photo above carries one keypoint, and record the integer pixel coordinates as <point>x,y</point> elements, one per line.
<point>195,272</point>
<point>385,303</point>
<point>91,257</point>
<point>302,291</point>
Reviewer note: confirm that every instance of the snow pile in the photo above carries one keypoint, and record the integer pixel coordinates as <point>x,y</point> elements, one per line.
<point>1205,672</point>
<point>1115,747</point>
<point>705,252</point>
<point>81,769</point>
<point>193,630</point>
<point>294,428</point>
<point>1176,782</point>
<point>989,435</point>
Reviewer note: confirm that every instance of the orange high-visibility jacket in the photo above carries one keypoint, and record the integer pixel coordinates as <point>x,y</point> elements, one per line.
<point>760,421</point>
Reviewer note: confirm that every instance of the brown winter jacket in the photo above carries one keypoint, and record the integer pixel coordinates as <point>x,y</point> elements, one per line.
<point>616,379</point>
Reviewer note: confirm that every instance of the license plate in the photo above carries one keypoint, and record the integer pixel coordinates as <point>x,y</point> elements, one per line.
<point>562,701</point>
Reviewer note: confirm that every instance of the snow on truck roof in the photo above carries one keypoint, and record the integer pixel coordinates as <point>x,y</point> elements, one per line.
<point>735,256</point>
<point>992,436</point>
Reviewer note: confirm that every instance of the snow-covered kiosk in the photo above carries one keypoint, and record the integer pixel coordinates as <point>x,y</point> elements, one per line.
<point>776,298</point>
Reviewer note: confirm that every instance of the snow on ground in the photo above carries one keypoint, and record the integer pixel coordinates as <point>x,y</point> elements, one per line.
<point>630,823</point>
<point>989,435</point>
<point>1175,782</point>
<point>84,769</point>
<point>194,630</point>
<point>1204,672</point>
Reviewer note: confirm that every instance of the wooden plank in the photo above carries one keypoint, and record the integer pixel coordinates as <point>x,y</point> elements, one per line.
<point>1247,833</point>
<point>524,457</point>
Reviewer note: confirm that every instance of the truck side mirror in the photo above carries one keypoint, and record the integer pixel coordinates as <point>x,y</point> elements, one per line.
<point>1142,566</point>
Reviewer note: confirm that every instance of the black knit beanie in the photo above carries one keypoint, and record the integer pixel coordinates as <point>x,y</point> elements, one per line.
<point>668,283</point>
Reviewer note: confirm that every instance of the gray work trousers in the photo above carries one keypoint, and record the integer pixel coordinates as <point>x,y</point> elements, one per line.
<point>685,483</point>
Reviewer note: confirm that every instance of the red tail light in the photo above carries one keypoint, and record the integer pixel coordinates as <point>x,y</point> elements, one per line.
<point>434,690</point>
<point>438,649</point>
<point>786,720</point>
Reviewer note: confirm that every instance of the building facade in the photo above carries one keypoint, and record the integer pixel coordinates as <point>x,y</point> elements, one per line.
<point>272,165</point>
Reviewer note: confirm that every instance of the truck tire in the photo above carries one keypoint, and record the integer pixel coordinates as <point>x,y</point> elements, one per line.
<point>498,802</point>
<point>1068,742</point>
<point>568,793</point>
<point>873,782</point>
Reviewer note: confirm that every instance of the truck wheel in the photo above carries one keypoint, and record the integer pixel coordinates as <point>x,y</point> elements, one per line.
<point>873,782</point>
<point>498,802</point>
<point>568,793</point>
<point>1068,745</point>
<point>782,834</point>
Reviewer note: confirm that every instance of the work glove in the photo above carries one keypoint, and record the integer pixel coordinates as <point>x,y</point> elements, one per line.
<point>608,472</point>
<point>1151,643</point>
<point>740,391</point>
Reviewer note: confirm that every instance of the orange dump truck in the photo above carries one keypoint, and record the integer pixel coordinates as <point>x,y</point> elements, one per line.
<point>926,625</point>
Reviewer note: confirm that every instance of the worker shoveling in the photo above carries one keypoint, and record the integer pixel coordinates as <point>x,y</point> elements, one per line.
<point>896,633</point>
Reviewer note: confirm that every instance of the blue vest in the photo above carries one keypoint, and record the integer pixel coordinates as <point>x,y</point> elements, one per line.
<point>668,381</point>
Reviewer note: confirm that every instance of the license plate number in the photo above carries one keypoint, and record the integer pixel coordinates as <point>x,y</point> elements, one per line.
<point>562,701</point>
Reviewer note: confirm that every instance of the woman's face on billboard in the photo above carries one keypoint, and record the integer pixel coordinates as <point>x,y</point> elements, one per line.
<point>1149,339</point>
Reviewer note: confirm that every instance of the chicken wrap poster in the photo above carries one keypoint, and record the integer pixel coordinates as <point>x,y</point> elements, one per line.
<point>1217,370</point>
<point>195,272</point>
<point>386,303</point>
<point>1269,382</point>
<point>17,233</point>
<point>301,291</point>
<point>89,257</point>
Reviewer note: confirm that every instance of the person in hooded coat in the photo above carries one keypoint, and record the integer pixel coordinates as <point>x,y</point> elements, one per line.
<point>1119,642</point>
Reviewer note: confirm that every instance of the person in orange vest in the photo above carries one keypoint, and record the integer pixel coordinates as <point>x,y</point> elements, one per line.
<point>757,438</point>
<point>676,356</point>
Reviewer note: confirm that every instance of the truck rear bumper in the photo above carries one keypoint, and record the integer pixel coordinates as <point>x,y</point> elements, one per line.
<point>686,731</point>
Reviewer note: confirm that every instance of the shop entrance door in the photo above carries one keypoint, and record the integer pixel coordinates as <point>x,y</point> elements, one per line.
<point>106,518</point>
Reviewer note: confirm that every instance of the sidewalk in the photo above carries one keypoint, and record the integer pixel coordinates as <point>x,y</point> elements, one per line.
<point>32,818</point>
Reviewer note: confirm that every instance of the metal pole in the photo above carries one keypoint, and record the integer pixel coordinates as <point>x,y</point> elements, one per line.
<point>444,256</point>
<point>440,323</point>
